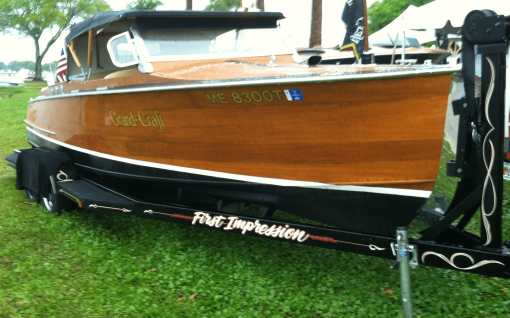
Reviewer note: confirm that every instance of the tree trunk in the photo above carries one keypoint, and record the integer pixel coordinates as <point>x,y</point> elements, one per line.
<point>260,5</point>
<point>38,59</point>
<point>189,4</point>
<point>316,27</point>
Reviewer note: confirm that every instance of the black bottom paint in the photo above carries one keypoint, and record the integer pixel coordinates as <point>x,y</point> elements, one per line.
<point>362,212</point>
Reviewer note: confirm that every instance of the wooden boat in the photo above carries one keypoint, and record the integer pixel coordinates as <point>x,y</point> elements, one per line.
<point>216,104</point>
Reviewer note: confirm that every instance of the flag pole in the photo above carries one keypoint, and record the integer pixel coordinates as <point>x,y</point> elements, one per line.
<point>365,25</point>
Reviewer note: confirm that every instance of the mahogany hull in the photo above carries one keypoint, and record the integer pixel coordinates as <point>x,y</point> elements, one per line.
<point>344,147</point>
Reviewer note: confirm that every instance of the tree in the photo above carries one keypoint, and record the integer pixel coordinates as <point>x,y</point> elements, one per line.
<point>223,5</point>
<point>2,66</point>
<point>380,14</point>
<point>12,65</point>
<point>29,65</point>
<point>50,67</point>
<point>143,5</point>
<point>316,25</point>
<point>227,5</point>
<point>189,4</point>
<point>260,5</point>
<point>30,18</point>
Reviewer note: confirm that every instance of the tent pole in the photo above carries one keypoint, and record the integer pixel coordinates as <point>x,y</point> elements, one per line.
<point>365,26</point>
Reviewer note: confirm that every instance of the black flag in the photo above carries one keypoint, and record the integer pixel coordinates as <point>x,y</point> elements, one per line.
<point>355,35</point>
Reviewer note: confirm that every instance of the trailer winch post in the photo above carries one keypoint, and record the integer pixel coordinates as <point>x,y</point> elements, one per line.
<point>402,249</point>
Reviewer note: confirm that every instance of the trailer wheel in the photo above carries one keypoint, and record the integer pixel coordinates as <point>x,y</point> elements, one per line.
<point>55,203</point>
<point>32,196</point>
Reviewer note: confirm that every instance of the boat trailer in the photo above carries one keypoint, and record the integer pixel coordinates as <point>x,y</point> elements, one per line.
<point>478,165</point>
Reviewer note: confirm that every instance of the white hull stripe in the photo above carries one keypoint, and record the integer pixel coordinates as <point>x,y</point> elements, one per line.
<point>40,129</point>
<point>316,78</point>
<point>239,177</point>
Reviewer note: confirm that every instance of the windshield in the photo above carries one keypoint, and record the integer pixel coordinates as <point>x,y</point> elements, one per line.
<point>190,44</point>
<point>410,42</point>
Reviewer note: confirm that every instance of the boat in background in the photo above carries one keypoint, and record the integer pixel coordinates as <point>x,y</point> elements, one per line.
<point>382,47</point>
<point>14,81</point>
<point>189,108</point>
<point>414,53</point>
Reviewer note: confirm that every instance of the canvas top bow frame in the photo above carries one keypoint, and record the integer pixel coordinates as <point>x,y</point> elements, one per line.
<point>478,164</point>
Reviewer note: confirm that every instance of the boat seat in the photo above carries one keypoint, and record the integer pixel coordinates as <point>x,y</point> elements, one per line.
<point>121,73</point>
<point>99,75</point>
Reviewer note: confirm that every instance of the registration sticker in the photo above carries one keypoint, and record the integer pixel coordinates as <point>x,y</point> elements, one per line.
<point>402,251</point>
<point>293,94</point>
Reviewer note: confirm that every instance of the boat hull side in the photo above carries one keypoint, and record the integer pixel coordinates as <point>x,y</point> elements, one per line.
<point>372,133</point>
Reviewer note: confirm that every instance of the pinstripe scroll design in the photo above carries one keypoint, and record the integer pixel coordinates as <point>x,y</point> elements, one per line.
<point>488,166</point>
<point>451,260</point>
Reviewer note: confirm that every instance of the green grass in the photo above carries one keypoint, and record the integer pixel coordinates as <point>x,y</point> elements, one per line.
<point>89,264</point>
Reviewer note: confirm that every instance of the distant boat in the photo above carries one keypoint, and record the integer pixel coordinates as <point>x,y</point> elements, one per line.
<point>382,55</point>
<point>16,80</point>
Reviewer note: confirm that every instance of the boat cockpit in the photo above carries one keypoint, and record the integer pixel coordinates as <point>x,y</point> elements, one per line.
<point>116,44</point>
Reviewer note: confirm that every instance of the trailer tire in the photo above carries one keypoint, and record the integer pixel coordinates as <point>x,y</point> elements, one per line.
<point>32,196</point>
<point>56,203</point>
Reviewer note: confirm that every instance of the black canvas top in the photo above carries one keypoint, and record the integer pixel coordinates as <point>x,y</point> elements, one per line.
<point>105,17</point>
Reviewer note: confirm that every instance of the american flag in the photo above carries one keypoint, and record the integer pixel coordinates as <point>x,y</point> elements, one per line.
<point>62,68</point>
<point>62,62</point>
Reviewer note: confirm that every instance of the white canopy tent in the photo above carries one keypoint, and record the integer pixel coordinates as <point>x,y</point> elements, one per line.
<point>433,16</point>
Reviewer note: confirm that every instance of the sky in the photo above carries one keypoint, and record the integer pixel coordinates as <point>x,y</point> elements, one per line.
<point>295,11</point>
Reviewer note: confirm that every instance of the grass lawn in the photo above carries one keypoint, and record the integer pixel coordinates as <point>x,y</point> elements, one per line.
<point>92,264</point>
